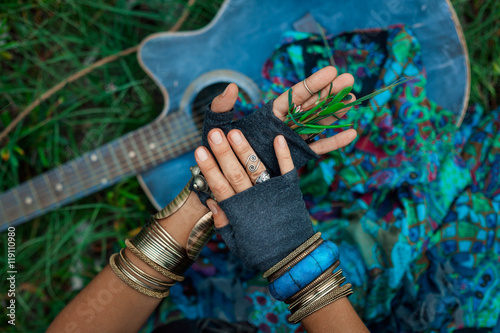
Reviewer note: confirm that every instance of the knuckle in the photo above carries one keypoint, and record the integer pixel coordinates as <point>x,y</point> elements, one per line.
<point>236,178</point>
<point>222,189</point>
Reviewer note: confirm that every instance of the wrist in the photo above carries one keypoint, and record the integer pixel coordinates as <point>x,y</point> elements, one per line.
<point>180,224</point>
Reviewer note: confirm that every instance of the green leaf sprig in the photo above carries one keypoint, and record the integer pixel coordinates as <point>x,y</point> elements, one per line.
<point>307,122</point>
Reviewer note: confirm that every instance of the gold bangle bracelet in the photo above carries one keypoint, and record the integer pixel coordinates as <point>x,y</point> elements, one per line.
<point>319,280</point>
<point>161,252</point>
<point>294,261</point>
<point>134,278</point>
<point>332,296</point>
<point>147,242</point>
<point>145,276</point>
<point>132,284</point>
<point>167,236</point>
<point>151,263</point>
<point>292,255</point>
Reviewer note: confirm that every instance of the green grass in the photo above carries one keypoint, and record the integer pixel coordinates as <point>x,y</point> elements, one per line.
<point>43,42</point>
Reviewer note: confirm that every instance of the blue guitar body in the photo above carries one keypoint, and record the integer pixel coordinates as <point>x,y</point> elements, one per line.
<point>235,45</point>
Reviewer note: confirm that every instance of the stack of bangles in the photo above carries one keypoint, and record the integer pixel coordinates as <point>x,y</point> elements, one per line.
<point>160,251</point>
<point>309,278</point>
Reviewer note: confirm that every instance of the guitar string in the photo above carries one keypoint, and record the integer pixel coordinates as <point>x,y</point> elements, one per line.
<point>102,170</point>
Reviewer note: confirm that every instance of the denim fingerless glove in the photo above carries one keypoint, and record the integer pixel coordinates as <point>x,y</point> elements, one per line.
<point>259,128</point>
<point>267,221</point>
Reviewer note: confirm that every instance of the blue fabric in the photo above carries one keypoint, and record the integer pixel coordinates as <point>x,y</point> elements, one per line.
<point>259,241</point>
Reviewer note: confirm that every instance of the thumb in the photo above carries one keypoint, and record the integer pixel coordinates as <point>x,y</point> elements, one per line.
<point>225,101</point>
<point>220,218</point>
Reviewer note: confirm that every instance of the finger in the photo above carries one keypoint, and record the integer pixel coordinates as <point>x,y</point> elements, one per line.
<point>246,154</point>
<point>283,154</point>
<point>220,218</point>
<point>315,82</point>
<point>225,101</point>
<point>335,142</point>
<point>216,181</point>
<point>338,115</point>
<point>231,167</point>
<point>340,82</point>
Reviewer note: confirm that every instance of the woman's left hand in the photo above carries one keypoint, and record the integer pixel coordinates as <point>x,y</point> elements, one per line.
<point>317,82</point>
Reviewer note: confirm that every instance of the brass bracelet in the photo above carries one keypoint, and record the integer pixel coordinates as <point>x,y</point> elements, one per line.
<point>144,290</point>
<point>167,257</point>
<point>292,255</point>
<point>145,276</point>
<point>151,263</point>
<point>334,281</point>
<point>319,280</point>
<point>294,261</point>
<point>167,237</point>
<point>332,296</point>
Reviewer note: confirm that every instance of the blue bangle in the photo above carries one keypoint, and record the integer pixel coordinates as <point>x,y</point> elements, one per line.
<point>305,271</point>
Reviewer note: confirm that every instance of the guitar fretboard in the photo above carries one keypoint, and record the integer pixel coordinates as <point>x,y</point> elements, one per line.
<point>133,153</point>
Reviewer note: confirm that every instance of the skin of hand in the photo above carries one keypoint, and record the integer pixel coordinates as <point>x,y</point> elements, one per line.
<point>317,82</point>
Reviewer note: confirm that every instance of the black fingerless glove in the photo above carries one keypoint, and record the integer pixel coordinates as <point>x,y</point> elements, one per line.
<point>267,221</point>
<point>259,128</point>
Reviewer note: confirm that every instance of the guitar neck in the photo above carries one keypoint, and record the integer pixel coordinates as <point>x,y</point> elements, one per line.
<point>133,153</point>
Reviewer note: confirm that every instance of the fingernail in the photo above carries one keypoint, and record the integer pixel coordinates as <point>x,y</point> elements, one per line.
<point>215,137</point>
<point>201,154</point>
<point>347,98</point>
<point>212,208</point>
<point>225,91</point>
<point>281,141</point>
<point>236,138</point>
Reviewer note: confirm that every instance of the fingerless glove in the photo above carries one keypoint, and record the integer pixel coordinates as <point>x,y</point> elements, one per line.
<point>267,221</point>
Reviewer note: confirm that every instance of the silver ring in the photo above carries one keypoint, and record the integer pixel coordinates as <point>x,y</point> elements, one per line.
<point>262,177</point>
<point>305,85</point>
<point>249,164</point>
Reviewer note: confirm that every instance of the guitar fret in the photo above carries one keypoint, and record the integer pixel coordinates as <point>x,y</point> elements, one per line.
<point>57,183</point>
<point>115,158</point>
<point>48,185</point>
<point>150,146</point>
<point>76,170</point>
<point>102,179</point>
<point>34,200</point>
<point>20,205</point>
<point>138,155</point>
<point>125,155</point>
<point>161,130</point>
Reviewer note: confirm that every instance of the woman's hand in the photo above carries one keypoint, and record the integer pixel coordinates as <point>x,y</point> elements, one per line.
<point>232,154</point>
<point>319,81</point>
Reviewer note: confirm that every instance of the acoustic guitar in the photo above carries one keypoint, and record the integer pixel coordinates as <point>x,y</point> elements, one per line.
<point>193,66</point>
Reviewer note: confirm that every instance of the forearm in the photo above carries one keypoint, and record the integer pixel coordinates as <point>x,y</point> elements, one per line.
<point>336,317</point>
<point>107,304</point>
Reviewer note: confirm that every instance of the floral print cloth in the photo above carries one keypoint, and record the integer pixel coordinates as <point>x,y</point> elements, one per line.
<point>413,202</point>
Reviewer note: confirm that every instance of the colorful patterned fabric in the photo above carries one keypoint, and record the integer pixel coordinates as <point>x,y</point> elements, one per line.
<point>413,203</point>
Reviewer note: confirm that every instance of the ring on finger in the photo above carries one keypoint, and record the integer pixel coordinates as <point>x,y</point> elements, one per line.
<point>253,162</point>
<point>305,85</point>
<point>262,177</point>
